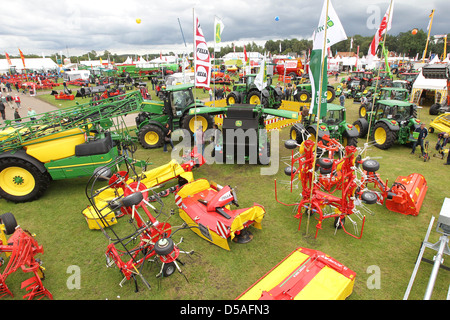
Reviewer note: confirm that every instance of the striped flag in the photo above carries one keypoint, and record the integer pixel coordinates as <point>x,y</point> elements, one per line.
<point>23,58</point>
<point>202,60</point>
<point>7,58</point>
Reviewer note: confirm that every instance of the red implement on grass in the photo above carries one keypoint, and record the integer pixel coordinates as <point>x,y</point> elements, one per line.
<point>21,249</point>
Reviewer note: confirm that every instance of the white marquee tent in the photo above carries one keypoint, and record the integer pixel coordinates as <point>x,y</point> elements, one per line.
<point>34,64</point>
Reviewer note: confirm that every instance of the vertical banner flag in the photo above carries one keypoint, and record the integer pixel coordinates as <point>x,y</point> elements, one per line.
<point>218,28</point>
<point>23,58</point>
<point>261,77</point>
<point>201,57</point>
<point>335,34</point>
<point>385,26</point>
<point>7,58</point>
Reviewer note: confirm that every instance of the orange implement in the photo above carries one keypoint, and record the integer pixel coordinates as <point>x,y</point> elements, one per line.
<point>408,194</point>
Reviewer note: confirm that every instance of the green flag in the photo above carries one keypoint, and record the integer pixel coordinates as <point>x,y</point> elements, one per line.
<point>318,60</point>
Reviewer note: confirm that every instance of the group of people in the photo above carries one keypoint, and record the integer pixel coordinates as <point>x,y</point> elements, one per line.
<point>5,102</point>
<point>422,133</point>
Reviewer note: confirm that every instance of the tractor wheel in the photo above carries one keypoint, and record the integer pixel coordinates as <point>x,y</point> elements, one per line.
<point>434,109</point>
<point>21,181</point>
<point>331,94</point>
<point>383,136</point>
<point>9,221</point>
<point>151,137</point>
<point>296,135</point>
<point>364,109</point>
<point>232,98</point>
<point>304,96</point>
<point>362,129</point>
<point>254,98</point>
<point>190,122</point>
<point>346,141</point>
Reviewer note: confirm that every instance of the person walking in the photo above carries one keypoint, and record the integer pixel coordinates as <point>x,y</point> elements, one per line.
<point>2,110</point>
<point>423,132</point>
<point>17,117</point>
<point>168,137</point>
<point>198,139</point>
<point>17,100</point>
<point>31,113</point>
<point>342,99</point>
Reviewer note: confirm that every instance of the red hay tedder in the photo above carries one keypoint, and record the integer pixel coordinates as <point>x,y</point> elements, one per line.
<point>21,249</point>
<point>333,188</point>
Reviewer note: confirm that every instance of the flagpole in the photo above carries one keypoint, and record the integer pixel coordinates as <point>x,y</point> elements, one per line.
<point>318,109</point>
<point>378,75</point>
<point>195,64</point>
<point>428,37</point>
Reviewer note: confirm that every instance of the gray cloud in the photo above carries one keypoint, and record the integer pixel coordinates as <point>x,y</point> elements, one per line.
<point>80,26</point>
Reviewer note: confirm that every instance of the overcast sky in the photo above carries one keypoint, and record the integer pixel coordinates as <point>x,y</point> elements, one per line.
<point>76,27</point>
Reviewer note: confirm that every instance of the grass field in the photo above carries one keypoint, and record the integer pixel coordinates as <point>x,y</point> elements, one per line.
<point>390,241</point>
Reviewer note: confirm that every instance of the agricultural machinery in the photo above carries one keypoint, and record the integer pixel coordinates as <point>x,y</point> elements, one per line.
<point>304,93</point>
<point>19,251</point>
<point>130,194</point>
<point>330,187</point>
<point>389,121</point>
<point>246,92</point>
<point>206,208</point>
<point>243,137</point>
<point>439,71</point>
<point>66,143</point>
<point>334,125</point>
<point>385,93</point>
<point>174,110</point>
<point>441,123</point>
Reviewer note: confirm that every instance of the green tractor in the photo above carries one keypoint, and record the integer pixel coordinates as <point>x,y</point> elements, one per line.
<point>386,93</point>
<point>304,93</point>
<point>173,110</point>
<point>390,121</point>
<point>246,92</point>
<point>334,125</point>
<point>243,138</point>
<point>73,142</point>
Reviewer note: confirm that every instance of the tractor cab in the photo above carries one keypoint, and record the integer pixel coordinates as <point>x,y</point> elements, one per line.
<point>181,98</point>
<point>394,93</point>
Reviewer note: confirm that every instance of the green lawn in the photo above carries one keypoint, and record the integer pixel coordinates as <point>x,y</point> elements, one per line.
<point>390,241</point>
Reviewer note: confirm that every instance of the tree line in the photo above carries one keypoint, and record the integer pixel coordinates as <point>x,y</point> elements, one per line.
<point>404,43</point>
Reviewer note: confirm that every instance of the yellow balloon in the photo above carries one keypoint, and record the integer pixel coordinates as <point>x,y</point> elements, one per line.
<point>138,21</point>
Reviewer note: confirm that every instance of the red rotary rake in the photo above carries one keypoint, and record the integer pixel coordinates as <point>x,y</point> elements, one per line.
<point>327,183</point>
<point>151,238</point>
<point>21,249</point>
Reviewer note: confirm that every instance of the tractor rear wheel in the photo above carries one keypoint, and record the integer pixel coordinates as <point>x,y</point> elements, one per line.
<point>191,121</point>
<point>383,136</point>
<point>151,137</point>
<point>21,181</point>
<point>331,94</point>
<point>304,96</point>
<point>362,129</point>
<point>232,98</point>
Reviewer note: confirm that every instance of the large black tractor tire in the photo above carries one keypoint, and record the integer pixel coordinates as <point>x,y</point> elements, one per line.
<point>363,109</point>
<point>304,96</point>
<point>331,94</point>
<point>189,122</point>
<point>434,109</point>
<point>233,98</point>
<point>255,97</point>
<point>361,127</point>
<point>21,181</point>
<point>384,137</point>
<point>151,136</point>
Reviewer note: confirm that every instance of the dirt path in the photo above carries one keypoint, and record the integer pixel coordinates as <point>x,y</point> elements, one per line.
<point>41,106</point>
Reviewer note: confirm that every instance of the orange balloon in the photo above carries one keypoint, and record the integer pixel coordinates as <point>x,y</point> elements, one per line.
<point>414,31</point>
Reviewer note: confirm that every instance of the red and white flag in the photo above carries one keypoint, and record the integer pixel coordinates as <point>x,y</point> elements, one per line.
<point>8,59</point>
<point>202,60</point>
<point>385,26</point>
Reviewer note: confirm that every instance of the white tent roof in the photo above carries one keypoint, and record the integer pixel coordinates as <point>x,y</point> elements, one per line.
<point>30,63</point>
<point>431,84</point>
